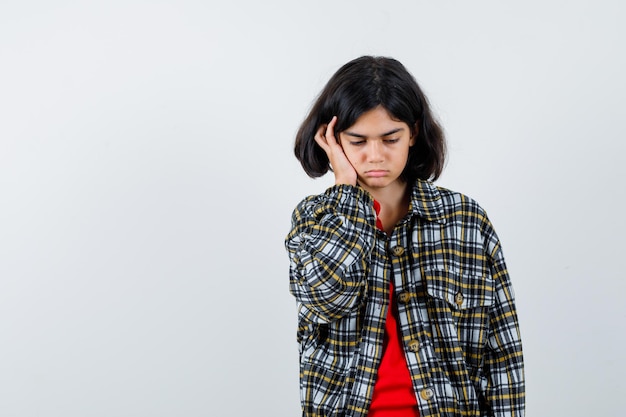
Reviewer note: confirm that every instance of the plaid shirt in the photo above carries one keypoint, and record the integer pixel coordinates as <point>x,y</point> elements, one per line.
<point>456,313</point>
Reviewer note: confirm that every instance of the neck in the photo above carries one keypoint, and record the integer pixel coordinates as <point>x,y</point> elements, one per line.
<point>393,196</point>
<point>394,203</point>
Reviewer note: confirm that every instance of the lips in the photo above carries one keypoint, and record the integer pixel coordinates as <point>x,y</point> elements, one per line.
<point>376,173</point>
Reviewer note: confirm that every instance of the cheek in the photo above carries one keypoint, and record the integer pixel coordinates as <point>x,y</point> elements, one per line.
<point>404,158</point>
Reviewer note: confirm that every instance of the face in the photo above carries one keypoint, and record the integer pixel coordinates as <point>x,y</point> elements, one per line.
<point>377,146</point>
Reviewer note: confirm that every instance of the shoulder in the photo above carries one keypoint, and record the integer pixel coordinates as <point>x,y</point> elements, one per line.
<point>441,204</point>
<point>460,214</point>
<point>453,201</point>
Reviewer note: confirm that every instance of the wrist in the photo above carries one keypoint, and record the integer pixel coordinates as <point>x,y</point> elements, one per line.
<point>345,180</point>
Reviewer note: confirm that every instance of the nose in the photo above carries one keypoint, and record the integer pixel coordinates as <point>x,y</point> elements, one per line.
<point>375,151</point>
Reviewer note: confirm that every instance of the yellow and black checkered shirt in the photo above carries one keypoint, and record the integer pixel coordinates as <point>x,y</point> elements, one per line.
<point>456,312</point>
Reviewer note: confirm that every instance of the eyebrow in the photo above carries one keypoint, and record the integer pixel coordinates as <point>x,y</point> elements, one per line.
<point>358,135</point>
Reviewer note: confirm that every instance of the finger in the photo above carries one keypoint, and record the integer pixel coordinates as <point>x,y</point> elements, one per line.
<point>320,137</point>
<point>330,131</point>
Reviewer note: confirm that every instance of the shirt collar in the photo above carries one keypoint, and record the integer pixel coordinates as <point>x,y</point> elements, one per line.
<point>426,202</point>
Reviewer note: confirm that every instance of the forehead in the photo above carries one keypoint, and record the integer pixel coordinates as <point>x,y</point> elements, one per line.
<point>376,121</point>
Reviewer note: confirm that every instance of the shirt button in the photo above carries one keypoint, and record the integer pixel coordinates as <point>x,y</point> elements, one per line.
<point>414,346</point>
<point>404,297</point>
<point>427,394</point>
<point>397,250</point>
<point>458,299</point>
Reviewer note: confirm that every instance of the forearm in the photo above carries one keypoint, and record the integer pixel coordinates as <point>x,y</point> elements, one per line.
<point>331,237</point>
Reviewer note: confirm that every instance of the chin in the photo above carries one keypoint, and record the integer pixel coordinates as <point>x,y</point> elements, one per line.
<point>380,182</point>
<point>376,183</point>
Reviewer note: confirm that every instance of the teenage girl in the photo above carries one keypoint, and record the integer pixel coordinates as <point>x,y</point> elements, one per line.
<point>405,306</point>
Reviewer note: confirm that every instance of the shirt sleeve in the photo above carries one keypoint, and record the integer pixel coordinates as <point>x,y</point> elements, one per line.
<point>504,365</point>
<point>332,236</point>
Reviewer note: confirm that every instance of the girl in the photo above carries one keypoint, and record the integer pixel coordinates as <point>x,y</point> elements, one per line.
<point>405,306</point>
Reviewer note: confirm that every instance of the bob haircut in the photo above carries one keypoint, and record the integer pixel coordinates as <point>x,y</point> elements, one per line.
<point>359,86</point>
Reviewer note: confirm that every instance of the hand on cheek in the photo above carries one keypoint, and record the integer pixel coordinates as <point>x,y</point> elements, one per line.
<point>342,168</point>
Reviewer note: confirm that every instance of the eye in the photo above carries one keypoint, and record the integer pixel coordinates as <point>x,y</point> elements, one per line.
<point>357,142</point>
<point>392,141</point>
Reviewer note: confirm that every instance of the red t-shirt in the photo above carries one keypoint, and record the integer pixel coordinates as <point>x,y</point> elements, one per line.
<point>393,391</point>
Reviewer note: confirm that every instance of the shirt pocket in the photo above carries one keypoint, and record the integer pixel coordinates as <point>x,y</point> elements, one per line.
<point>460,291</point>
<point>459,306</point>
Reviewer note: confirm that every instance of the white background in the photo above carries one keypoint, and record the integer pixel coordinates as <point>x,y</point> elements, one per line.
<point>147,181</point>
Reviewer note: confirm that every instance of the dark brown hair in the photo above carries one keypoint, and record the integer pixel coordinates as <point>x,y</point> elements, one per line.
<point>359,86</point>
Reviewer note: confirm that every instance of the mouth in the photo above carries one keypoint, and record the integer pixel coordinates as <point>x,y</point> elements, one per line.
<point>376,173</point>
